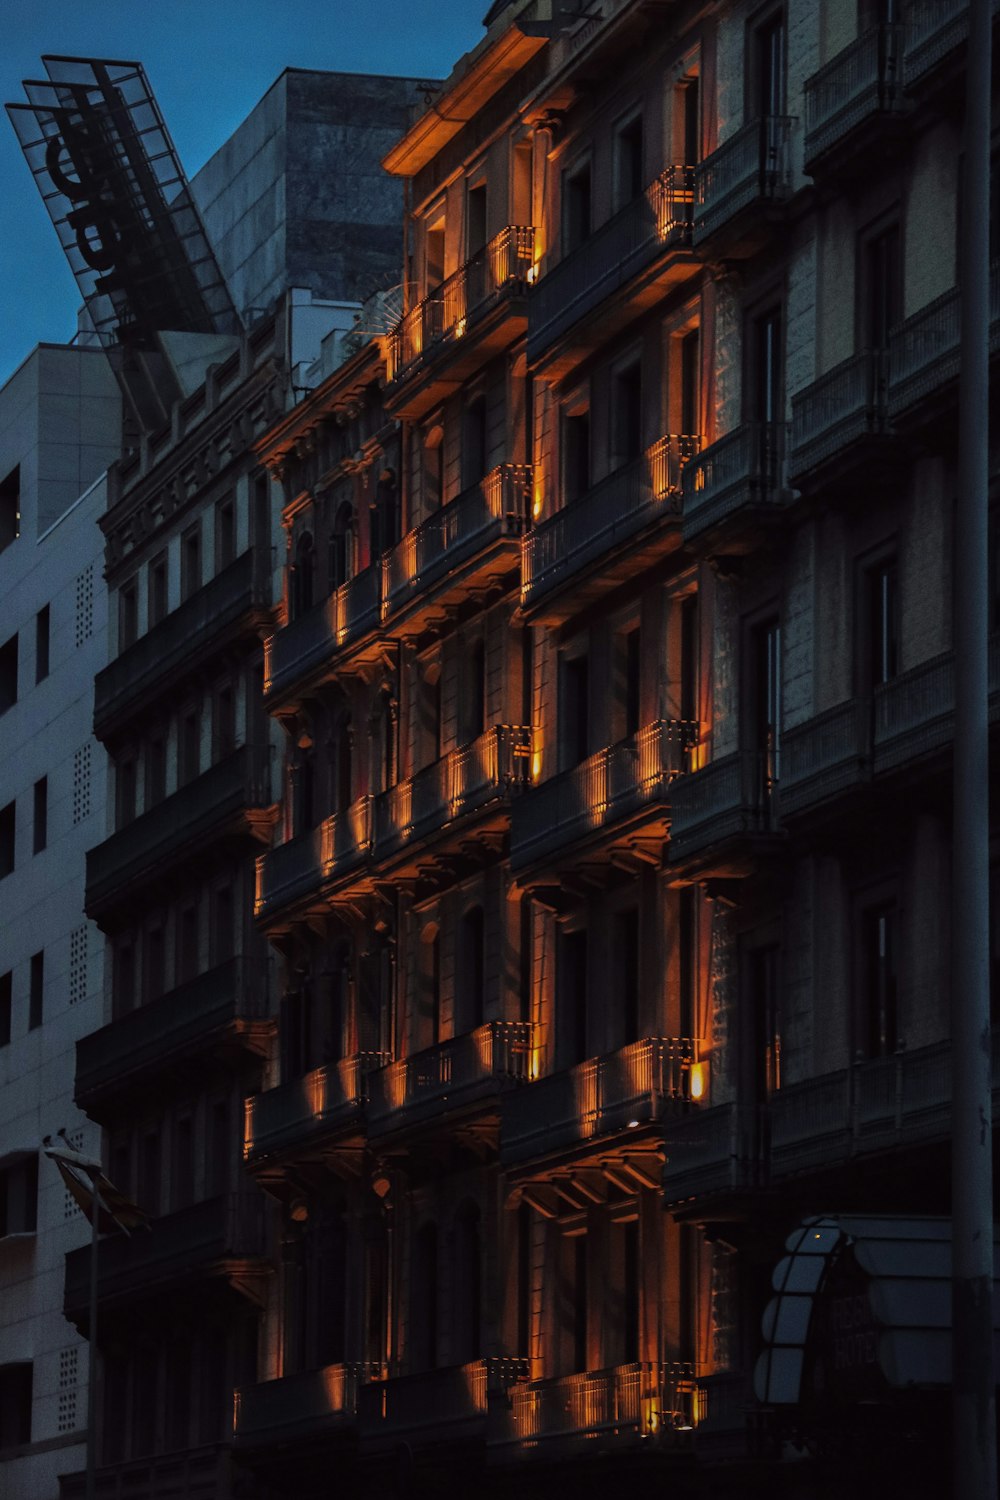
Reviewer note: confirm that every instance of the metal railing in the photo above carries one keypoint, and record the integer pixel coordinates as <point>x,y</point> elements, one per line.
<point>825,755</point>
<point>613,510</point>
<point>168,831</point>
<point>232,992</point>
<point>301,864</point>
<point>307,1400</point>
<point>424,1407</point>
<point>491,767</point>
<point>496,506</point>
<point>328,1096</point>
<point>863,79</point>
<point>711,1150</point>
<point>594,1098</point>
<point>205,1470</point>
<point>601,789</point>
<point>914,712</point>
<point>493,1055</point>
<point>348,613</point>
<point>183,636</point>
<point>753,165</point>
<point>657,220</point>
<point>499,269</point>
<point>847,403</point>
<point>727,798</point>
<point>924,350</point>
<point>202,1235</point>
<point>629,1402</point>
<point>934,30</point>
<point>739,471</point>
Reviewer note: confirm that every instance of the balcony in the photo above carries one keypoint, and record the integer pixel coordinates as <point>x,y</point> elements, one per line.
<point>223,804</point>
<point>914,713</point>
<point>840,423</point>
<point>826,757</point>
<point>232,606</point>
<point>711,1154</point>
<point>724,814</point>
<point>459,326</point>
<point>852,100</point>
<point>462,547</point>
<point>741,187</point>
<point>936,31</point>
<point>637,1085</point>
<point>576,1414</point>
<point>734,487</point>
<point>300,1407</point>
<point>473,779</point>
<point>219,1237</point>
<point>223,1012</point>
<point>195,1473</point>
<point>604,792</point>
<point>461,1071</point>
<point>296,870</point>
<point>625,522</point>
<point>614,275</point>
<point>297,1114</point>
<point>436,1407</point>
<point>924,357</point>
<point>306,648</point>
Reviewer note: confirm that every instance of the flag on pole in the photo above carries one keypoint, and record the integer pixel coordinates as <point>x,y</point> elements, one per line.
<point>85,1179</point>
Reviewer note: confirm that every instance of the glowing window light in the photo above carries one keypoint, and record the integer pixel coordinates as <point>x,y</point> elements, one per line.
<point>697,1080</point>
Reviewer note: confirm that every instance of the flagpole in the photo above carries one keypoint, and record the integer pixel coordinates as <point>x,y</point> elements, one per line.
<point>95,1225</point>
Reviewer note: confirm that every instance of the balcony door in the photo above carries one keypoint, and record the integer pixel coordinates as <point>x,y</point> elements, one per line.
<point>764,705</point>
<point>767,57</point>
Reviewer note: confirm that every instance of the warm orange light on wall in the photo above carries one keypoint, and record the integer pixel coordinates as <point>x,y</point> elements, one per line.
<point>698,1080</point>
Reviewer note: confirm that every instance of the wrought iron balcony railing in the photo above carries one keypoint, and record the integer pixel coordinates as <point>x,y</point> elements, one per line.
<point>495,507</point>
<point>325,1099</point>
<point>935,29</point>
<point>176,827</point>
<point>656,222</point>
<point>601,790</point>
<point>864,79</point>
<point>924,350</point>
<point>180,641</point>
<point>225,998</point>
<point>443,316</point>
<point>294,869</point>
<point>633,1402</point>
<point>752,166</point>
<point>492,1057</point>
<point>711,1150</point>
<point>597,1098</point>
<point>825,756</point>
<point>641,492</point>
<point>298,1405</point>
<point>349,612</point>
<point>178,1245</point>
<point>728,799</point>
<point>738,473</point>
<point>491,768</point>
<point>205,1470</point>
<point>845,405</point>
<point>433,1405</point>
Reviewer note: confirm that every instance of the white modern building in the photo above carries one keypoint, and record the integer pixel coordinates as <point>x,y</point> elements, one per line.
<point>60,418</point>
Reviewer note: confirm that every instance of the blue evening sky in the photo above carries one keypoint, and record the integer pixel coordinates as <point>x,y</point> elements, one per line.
<point>209,61</point>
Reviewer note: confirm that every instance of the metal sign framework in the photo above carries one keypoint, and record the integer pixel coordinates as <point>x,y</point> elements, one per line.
<point>108,173</point>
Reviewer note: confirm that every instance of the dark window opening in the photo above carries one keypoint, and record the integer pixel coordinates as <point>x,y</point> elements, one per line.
<point>225,534</point>
<point>128,616</point>
<point>149,1173</point>
<point>879,990</point>
<point>881,585</point>
<point>580,1302</point>
<point>424,1299</point>
<point>40,819</point>
<point>42,638</point>
<point>474,442</point>
<point>632,665</point>
<point>572,997</point>
<point>475,219</point>
<point>156,770</point>
<point>690,373</point>
<point>8,831</point>
<point>765,704</point>
<point>883,280</point>
<point>123,981</point>
<point>6,1007</point>
<point>628,414</point>
<point>183,1164</point>
<point>629,181</point>
<point>472,969</point>
<point>630,1290</point>
<point>187,944</point>
<point>576,710</point>
<point>10,508</point>
<point>576,221</point>
<point>125,793</point>
<point>434,255</point>
<point>8,674</point>
<point>154,979</point>
<point>36,990</point>
<point>19,1198</point>
<point>626,957</point>
<point>157,584</point>
<point>223,934</point>
<point>575,455</point>
<point>765,1016</point>
<point>15,1405</point>
<point>190,562</point>
<point>768,60</point>
<point>189,758</point>
<point>467,1290</point>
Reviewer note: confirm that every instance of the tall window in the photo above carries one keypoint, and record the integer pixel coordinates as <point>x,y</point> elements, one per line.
<point>471,999</point>
<point>42,638</point>
<point>8,674</point>
<point>767,60</point>
<point>879,624</point>
<point>341,555</point>
<point>577,212</point>
<point>15,1404</point>
<point>629,180</point>
<point>123,980</point>
<point>6,1007</point>
<point>765,1021</point>
<point>575,706</point>
<point>8,838</point>
<point>156,768</point>
<point>125,792</point>
<point>128,614</point>
<point>157,586</point>
<point>881,279</point>
<point>475,220</point>
<point>879,1008</point>
<point>571,996</point>
<point>189,756</point>
<point>36,990</point>
<point>424,1299</point>
<point>474,442</point>
<point>10,508</point>
<point>626,970</point>
<point>575,453</point>
<point>190,561</point>
<point>466,1293</point>
<point>225,533</point>
<point>765,698</point>
<point>627,413</point>
<point>40,824</point>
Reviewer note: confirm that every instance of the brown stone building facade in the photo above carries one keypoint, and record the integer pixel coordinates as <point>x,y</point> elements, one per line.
<point>605,853</point>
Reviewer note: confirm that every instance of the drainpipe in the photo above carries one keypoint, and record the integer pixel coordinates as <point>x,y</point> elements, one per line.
<point>974,1437</point>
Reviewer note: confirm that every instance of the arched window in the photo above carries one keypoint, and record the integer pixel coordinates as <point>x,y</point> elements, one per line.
<point>467,1288</point>
<point>341,557</point>
<point>424,1299</point>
